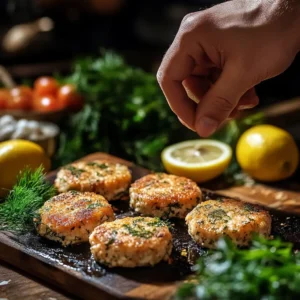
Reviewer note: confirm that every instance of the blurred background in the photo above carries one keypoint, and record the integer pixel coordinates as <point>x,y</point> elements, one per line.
<point>44,37</point>
<point>141,30</point>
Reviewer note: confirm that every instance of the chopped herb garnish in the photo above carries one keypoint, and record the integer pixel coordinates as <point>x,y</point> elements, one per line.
<point>74,171</point>
<point>158,223</point>
<point>112,239</point>
<point>251,208</point>
<point>73,192</point>
<point>206,206</point>
<point>94,164</point>
<point>94,205</point>
<point>218,215</point>
<point>139,231</point>
<point>220,199</point>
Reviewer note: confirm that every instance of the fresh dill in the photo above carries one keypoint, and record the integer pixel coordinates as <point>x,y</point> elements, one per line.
<point>27,196</point>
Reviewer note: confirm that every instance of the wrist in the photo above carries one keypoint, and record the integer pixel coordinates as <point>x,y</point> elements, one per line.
<point>292,10</point>
<point>297,28</point>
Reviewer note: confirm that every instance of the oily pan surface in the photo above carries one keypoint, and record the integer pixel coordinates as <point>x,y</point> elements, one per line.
<point>185,251</point>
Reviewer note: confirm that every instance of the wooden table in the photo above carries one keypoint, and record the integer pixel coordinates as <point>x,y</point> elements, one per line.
<point>15,285</point>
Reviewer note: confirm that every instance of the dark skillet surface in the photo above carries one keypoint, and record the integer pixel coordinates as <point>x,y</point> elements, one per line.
<point>78,258</point>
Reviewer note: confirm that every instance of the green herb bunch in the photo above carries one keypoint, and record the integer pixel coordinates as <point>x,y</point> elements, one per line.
<point>125,114</point>
<point>268,270</point>
<point>29,194</point>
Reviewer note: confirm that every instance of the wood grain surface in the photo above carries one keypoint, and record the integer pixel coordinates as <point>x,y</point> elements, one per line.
<point>77,274</point>
<point>15,286</point>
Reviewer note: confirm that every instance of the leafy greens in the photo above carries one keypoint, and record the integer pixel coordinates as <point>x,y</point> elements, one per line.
<point>125,114</point>
<point>268,270</point>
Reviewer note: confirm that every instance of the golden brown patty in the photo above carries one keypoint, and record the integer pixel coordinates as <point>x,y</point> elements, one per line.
<point>70,217</point>
<point>163,195</point>
<point>131,242</point>
<point>108,179</point>
<point>213,219</point>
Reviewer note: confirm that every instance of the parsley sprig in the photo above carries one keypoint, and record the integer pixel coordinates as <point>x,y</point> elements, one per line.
<point>268,270</point>
<point>125,113</point>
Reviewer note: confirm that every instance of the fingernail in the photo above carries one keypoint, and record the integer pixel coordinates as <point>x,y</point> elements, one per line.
<point>183,123</point>
<point>242,107</point>
<point>206,126</point>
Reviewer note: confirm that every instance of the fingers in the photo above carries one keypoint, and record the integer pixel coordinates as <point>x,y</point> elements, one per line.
<point>184,58</point>
<point>220,100</point>
<point>176,66</point>
<point>248,100</point>
<point>196,87</point>
<point>183,123</point>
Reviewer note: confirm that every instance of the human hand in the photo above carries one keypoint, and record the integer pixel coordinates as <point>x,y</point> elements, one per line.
<point>219,55</point>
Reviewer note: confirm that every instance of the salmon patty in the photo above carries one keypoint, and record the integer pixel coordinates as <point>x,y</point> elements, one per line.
<point>237,220</point>
<point>111,180</point>
<point>164,196</point>
<point>131,242</point>
<point>70,218</point>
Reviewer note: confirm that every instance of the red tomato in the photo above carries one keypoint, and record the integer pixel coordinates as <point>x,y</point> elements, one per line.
<point>21,98</point>
<point>4,98</point>
<point>46,103</point>
<point>44,86</point>
<point>68,97</point>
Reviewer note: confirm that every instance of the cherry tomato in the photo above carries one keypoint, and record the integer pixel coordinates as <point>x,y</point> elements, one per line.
<point>46,103</point>
<point>68,97</point>
<point>44,86</point>
<point>21,98</point>
<point>4,98</point>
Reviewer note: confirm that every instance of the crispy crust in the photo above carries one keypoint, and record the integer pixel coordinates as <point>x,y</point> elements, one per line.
<point>131,242</point>
<point>70,217</point>
<point>163,195</point>
<point>110,180</point>
<point>237,220</point>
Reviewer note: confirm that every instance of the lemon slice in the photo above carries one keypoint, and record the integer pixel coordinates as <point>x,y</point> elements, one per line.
<point>199,160</point>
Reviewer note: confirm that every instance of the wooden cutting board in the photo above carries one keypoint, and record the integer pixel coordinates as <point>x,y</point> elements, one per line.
<point>74,270</point>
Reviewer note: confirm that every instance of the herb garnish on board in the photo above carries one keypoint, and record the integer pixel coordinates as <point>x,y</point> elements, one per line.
<point>27,196</point>
<point>268,270</point>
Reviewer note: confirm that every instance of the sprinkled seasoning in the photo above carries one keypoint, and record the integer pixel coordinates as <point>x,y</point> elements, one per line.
<point>218,215</point>
<point>94,164</point>
<point>74,171</point>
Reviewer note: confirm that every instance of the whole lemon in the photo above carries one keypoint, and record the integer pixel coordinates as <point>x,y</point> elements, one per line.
<point>15,155</point>
<point>267,153</point>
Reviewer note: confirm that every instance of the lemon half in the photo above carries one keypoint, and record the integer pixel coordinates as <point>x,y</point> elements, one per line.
<point>199,160</point>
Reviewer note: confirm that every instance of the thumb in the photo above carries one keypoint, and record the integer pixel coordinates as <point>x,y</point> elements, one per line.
<point>220,100</point>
